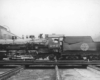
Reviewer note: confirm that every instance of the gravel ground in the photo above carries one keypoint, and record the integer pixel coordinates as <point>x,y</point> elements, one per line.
<point>78,74</point>
<point>35,74</point>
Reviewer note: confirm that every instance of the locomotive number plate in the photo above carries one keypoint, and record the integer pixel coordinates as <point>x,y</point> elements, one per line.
<point>84,47</point>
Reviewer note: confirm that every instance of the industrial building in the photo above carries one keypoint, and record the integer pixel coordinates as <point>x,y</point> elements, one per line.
<point>5,34</point>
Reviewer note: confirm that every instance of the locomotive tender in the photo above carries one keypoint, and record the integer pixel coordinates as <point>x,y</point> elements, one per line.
<point>80,47</point>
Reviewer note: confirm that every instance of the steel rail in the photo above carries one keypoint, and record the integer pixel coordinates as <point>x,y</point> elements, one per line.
<point>39,62</point>
<point>10,73</point>
<point>94,69</point>
<point>58,76</point>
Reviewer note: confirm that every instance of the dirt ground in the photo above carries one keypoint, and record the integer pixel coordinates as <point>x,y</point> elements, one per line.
<point>79,74</point>
<point>35,74</point>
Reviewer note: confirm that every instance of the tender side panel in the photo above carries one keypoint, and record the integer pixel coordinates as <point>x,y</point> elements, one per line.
<point>79,43</point>
<point>80,46</point>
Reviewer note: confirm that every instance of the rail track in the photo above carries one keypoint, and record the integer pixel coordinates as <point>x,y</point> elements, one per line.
<point>47,62</point>
<point>2,70</point>
<point>56,73</point>
<point>5,75</point>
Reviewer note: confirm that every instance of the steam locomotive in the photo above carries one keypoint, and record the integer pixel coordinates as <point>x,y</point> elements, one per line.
<point>53,47</point>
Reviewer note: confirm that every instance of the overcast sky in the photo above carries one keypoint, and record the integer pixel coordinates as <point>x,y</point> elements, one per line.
<point>69,17</point>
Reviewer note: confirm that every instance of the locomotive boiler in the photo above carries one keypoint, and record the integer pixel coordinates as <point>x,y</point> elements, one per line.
<point>13,48</point>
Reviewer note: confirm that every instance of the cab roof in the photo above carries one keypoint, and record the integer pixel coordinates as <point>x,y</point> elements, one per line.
<point>55,35</point>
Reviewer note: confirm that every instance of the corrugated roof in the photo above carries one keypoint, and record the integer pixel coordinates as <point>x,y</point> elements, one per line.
<point>13,34</point>
<point>3,27</point>
<point>6,32</point>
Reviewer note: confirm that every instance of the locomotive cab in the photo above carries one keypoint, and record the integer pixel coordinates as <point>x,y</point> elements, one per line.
<point>54,44</point>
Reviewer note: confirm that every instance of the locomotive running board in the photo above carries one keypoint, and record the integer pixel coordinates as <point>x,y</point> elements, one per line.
<point>44,62</point>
